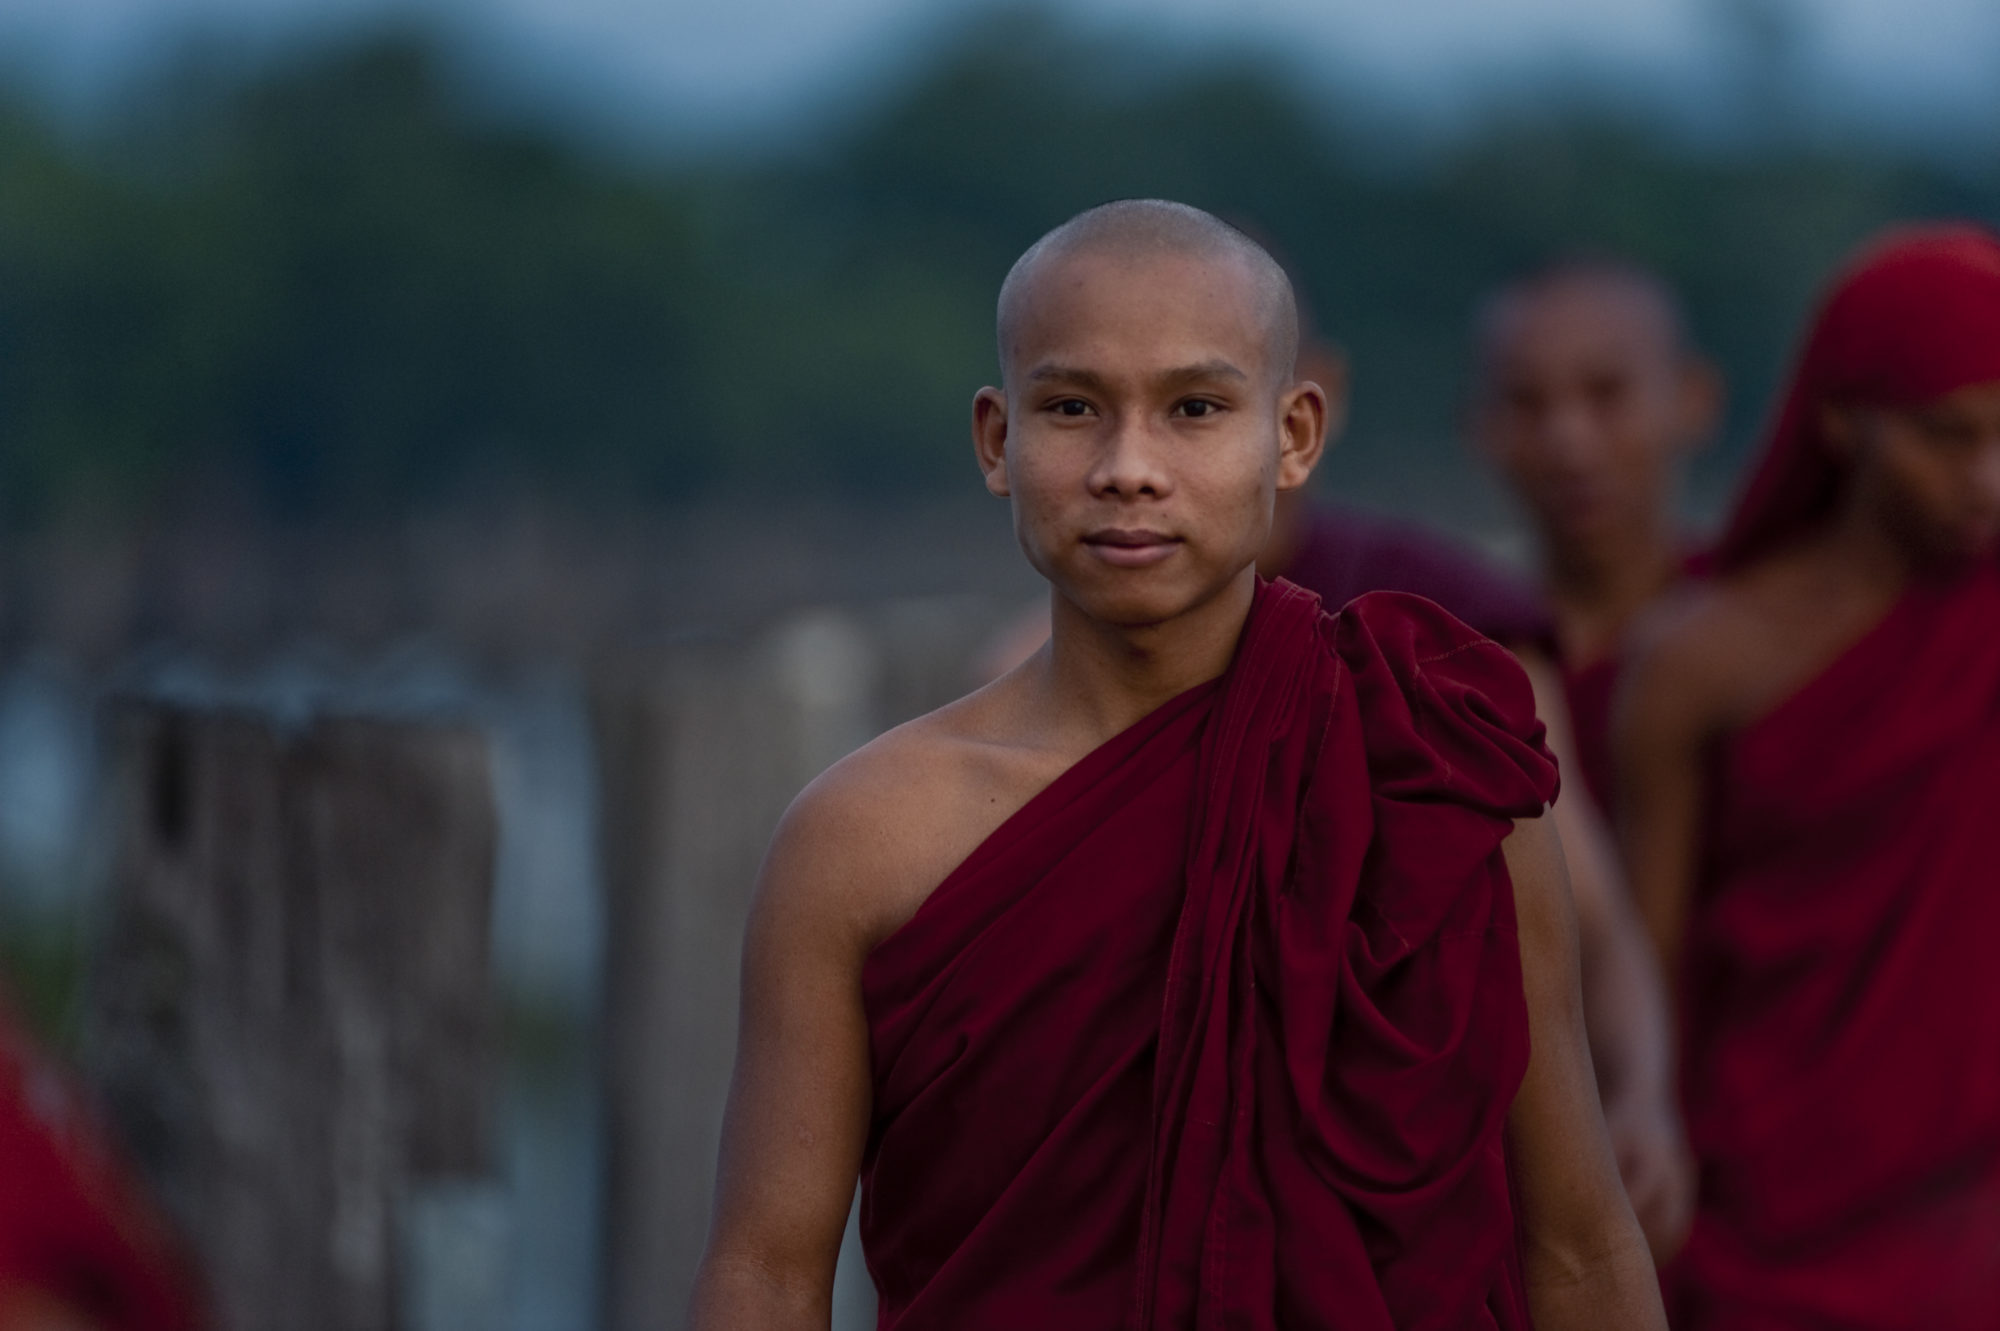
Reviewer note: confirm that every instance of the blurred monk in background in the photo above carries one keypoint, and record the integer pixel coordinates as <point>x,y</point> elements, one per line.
<point>1810,747</point>
<point>1590,398</point>
<point>1213,966</point>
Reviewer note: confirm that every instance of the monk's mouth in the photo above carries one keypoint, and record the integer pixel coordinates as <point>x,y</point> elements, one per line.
<point>1131,549</point>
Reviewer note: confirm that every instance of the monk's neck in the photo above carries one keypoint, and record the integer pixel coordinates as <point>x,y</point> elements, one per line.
<point>1291,519</point>
<point>1856,553</point>
<point>1103,678</point>
<point>1595,592</point>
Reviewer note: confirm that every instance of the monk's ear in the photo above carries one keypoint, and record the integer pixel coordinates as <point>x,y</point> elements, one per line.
<point>1702,399</point>
<point>1302,431</point>
<point>1311,413</point>
<point>1324,364</point>
<point>989,438</point>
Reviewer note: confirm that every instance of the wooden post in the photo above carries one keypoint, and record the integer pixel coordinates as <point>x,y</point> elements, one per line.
<point>701,750</point>
<point>292,1019</point>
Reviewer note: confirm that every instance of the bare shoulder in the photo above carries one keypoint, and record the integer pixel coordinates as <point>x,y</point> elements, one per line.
<point>1732,649</point>
<point>1689,655</point>
<point>865,843</point>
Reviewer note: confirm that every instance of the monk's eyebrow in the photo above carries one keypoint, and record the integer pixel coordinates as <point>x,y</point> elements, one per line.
<point>1208,369</point>
<point>1048,373</point>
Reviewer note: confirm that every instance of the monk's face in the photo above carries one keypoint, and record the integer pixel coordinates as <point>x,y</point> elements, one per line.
<point>1930,473</point>
<point>1144,431</point>
<point>1587,405</point>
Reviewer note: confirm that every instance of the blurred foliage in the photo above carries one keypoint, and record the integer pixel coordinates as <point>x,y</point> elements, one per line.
<point>348,282</point>
<point>41,979</point>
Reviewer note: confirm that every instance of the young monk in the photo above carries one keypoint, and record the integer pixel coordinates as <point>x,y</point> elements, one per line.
<point>1811,745</point>
<point>1188,974</point>
<point>1589,398</point>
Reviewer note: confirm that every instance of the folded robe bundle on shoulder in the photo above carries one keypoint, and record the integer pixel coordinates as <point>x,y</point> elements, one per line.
<point>1221,1030</point>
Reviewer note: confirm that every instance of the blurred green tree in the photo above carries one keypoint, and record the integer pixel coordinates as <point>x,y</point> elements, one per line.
<point>345,284</point>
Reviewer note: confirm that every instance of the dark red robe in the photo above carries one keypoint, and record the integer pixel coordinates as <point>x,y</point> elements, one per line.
<point>1842,1076</point>
<point>1842,1025</point>
<point>1347,553</point>
<point>73,1226</point>
<point>1590,691</point>
<point>1221,1029</point>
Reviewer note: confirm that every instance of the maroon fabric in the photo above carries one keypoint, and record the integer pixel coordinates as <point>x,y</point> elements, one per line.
<point>1221,1029</point>
<point>1842,1077</point>
<point>72,1225</point>
<point>1840,1071</point>
<point>1591,690</point>
<point>1346,554</point>
<point>1915,317</point>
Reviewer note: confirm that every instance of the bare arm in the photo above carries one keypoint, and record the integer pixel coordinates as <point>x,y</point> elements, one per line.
<point>799,1101</point>
<point>1661,731</point>
<point>1583,1255</point>
<point>1624,1001</point>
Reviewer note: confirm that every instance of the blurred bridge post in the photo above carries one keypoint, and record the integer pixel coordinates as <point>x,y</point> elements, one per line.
<point>292,1020</point>
<point>702,746</point>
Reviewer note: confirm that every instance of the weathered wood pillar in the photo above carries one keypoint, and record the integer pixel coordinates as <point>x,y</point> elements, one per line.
<point>292,1020</point>
<point>702,747</point>
<point>701,750</point>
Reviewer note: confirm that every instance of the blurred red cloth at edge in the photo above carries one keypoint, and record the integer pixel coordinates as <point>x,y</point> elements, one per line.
<point>1223,1027</point>
<point>79,1246</point>
<point>1842,1072</point>
<point>1344,553</point>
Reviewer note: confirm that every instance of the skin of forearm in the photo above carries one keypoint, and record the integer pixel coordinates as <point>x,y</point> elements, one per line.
<point>1592,1291</point>
<point>1630,1036</point>
<point>743,1294</point>
<point>1626,1014</point>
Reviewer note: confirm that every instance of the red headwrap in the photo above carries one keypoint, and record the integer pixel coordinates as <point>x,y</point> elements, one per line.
<point>1915,317</point>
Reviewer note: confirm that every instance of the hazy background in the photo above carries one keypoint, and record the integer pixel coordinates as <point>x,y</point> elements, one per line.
<point>423,354</point>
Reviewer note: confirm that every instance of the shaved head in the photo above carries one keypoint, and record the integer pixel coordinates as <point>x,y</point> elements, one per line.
<point>1137,230</point>
<point>1646,294</point>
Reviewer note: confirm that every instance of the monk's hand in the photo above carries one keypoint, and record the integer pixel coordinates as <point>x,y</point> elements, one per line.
<point>1656,1165</point>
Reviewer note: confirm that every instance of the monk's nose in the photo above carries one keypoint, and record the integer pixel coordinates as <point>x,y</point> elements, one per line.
<point>1569,435</point>
<point>1130,464</point>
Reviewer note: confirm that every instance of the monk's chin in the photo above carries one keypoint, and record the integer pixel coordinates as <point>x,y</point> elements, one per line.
<point>1140,608</point>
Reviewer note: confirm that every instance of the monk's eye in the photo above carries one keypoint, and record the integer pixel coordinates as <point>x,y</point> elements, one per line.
<point>1197,408</point>
<point>1070,406</point>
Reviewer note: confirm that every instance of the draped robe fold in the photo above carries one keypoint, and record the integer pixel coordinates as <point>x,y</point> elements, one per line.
<point>1842,1074</point>
<point>1222,1028</point>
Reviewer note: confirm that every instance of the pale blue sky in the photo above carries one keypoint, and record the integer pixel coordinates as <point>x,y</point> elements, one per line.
<point>725,63</point>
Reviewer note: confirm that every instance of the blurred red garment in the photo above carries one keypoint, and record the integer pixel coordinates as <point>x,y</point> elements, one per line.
<point>1107,971</point>
<point>1344,553</point>
<point>1590,690</point>
<point>1841,1073</point>
<point>79,1245</point>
